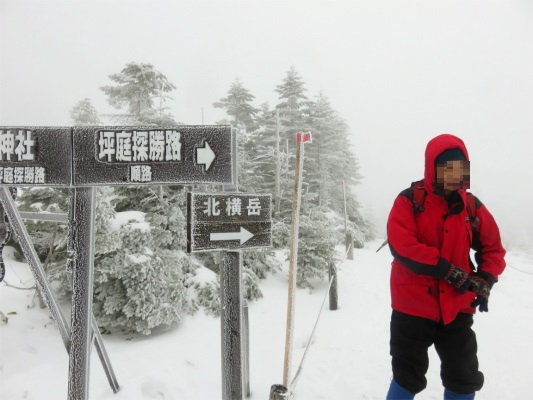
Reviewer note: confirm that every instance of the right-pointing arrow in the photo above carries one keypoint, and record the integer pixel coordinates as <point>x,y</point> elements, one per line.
<point>243,236</point>
<point>204,155</point>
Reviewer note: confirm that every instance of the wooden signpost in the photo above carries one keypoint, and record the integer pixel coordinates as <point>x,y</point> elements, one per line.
<point>85,157</point>
<point>232,222</point>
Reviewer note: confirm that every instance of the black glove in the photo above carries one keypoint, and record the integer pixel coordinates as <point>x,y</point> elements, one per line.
<point>481,287</point>
<point>458,278</point>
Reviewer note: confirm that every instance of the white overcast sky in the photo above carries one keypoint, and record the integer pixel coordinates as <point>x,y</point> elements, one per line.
<point>399,72</point>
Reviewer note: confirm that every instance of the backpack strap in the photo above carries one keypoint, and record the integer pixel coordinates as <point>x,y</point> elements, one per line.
<point>419,196</point>
<point>472,204</point>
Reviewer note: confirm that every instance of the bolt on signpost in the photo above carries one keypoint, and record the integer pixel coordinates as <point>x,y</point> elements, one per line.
<point>301,139</point>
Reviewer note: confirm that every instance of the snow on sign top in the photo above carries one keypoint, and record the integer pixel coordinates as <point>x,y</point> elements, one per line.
<point>154,155</point>
<point>35,156</point>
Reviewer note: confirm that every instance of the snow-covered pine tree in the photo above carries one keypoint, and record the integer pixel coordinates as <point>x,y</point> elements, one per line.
<point>293,101</point>
<point>293,110</point>
<point>332,168</point>
<point>330,159</point>
<point>238,105</point>
<point>84,114</point>
<point>137,85</point>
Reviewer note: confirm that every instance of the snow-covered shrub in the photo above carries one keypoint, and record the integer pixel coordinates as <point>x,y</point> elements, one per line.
<point>204,291</point>
<point>250,285</point>
<point>261,262</point>
<point>137,288</point>
<point>281,233</point>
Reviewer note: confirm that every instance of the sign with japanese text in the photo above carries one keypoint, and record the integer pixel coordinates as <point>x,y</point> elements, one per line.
<point>154,155</point>
<point>35,156</point>
<point>228,221</point>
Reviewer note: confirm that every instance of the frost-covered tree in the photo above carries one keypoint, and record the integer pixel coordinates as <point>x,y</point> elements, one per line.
<point>84,114</point>
<point>137,85</point>
<point>238,105</point>
<point>330,159</point>
<point>136,288</point>
<point>269,159</point>
<point>138,273</point>
<point>293,102</point>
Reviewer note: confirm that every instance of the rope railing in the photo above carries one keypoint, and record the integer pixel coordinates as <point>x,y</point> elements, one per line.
<point>300,367</point>
<point>279,392</point>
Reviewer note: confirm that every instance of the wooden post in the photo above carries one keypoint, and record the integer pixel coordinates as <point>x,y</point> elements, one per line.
<point>246,347</point>
<point>278,392</point>
<point>277,198</point>
<point>231,325</point>
<point>345,214</point>
<point>333,293</point>
<point>82,292</point>
<point>71,263</point>
<point>349,246</point>
<point>293,256</point>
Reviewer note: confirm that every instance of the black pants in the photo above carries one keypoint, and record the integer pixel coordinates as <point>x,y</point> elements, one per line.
<point>456,346</point>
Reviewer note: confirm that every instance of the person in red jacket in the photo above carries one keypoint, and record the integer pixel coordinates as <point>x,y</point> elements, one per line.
<point>435,288</point>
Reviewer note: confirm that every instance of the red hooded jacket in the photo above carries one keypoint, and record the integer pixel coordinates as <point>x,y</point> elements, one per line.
<point>425,244</point>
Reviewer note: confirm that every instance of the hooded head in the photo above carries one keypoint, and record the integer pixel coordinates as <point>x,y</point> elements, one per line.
<point>440,150</point>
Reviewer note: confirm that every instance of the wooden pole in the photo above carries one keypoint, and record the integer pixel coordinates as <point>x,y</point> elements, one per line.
<point>277,199</point>
<point>246,348</point>
<point>231,325</point>
<point>349,246</point>
<point>333,293</point>
<point>82,293</point>
<point>346,240</point>
<point>278,392</point>
<point>293,260</point>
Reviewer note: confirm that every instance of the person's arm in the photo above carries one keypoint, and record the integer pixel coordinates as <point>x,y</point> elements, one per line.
<point>488,246</point>
<point>416,256</point>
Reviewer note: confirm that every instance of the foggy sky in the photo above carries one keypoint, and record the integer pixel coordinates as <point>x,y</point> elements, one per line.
<point>399,72</point>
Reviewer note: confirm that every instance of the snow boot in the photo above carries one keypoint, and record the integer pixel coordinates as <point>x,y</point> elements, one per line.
<point>449,395</point>
<point>397,392</point>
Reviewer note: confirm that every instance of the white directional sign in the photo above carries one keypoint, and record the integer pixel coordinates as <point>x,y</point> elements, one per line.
<point>242,236</point>
<point>228,221</point>
<point>205,156</point>
<point>153,155</point>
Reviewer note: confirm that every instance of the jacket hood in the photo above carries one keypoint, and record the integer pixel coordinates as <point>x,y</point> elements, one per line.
<point>436,146</point>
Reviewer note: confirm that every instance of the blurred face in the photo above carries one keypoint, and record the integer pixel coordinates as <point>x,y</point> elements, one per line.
<point>454,175</point>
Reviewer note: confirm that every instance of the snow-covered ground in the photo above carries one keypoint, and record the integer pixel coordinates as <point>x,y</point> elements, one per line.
<point>348,359</point>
